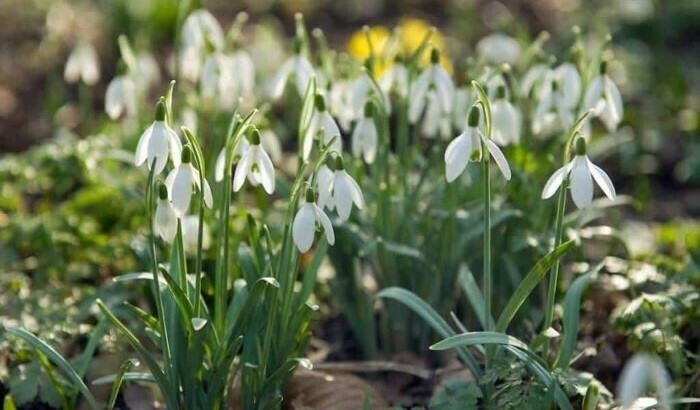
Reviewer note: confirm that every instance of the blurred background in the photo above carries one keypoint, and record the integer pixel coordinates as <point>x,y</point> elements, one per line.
<point>655,45</point>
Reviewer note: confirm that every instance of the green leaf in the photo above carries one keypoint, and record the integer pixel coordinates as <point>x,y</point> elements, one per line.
<point>57,360</point>
<point>431,317</point>
<point>572,307</point>
<point>529,283</point>
<point>473,293</point>
<point>8,403</point>
<point>513,345</point>
<point>118,379</point>
<point>309,280</point>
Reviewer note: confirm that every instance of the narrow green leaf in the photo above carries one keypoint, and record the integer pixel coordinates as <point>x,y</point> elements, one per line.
<point>529,283</point>
<point>572,307</point>
<point>309,280</point>
<point>473,293</point>
<point>56,359</point>
<point>118,379</point>
<point>431,317</point>
<point>128,377</point>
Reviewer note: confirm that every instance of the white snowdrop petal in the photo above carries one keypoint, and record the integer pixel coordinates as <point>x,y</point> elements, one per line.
<point>342,196</point>
<point>267,171</point>
<point>555,181</point>
<point>303,227</point>
<point>326,224</point>
<point>165,221</point>
<point>208,197</point>
<point>242,169</point>
<point>175,146</point>
<point>570,84</point>
<point>359,92</point>
<point>419,91</point>
<point>614,98</point>
<point>444,88</point>
<point>330,130</point>
<point>280,79</point>
<point>220,166</point>
<point>142,147</point>
<point>497,155</point>
<point>602,179</point>
<point>457,157</point>
<point>303,71</point>
<point>593,93</point>
<point>181,192</point>
<point>358,134</point>
<point>114,98</point>
<point>581,183</point>
<point>355,191</point>
<point>370,143</point>
<point>324,183</point>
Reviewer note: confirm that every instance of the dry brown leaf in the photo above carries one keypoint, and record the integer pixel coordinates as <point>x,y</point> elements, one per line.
<point>330,390</point>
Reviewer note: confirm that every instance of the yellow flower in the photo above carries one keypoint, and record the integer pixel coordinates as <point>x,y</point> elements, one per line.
<point>411,32</point>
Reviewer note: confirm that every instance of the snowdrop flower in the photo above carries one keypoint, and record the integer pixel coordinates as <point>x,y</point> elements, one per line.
<point>180,182</point>
<point>532,79</point>
<point>641,372</point>
<point>157,141</point>
<point>120,97</point>
<point>603,96</point>
<point>432,77</point>
<point>395,78</point>
<point>558,96</point>
<point>82,64</point>
<point>361,91</point>
<point>307,218</point>
<point>499,49</point>
<point>321,123</point>
<point>148,70</point>
<point>339,99</point>
<point>582,173</point>
<point>296,65</point>
<point>468,147</point>
<point>244,68</point>
<point>256,165</point>
<point>238,151</point>
<point>365,137</point>
<point>217,80</point>
<point>506,120</point>
<point>436,122</point>
<point>199,31</point>
<point>324,179</point>
<point>340,190</point>
<point>165,220</point>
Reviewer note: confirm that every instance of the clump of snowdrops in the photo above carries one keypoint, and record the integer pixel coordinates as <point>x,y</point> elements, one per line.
<point>393,172</point>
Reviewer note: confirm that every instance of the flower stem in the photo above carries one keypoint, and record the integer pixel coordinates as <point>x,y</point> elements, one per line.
<point>487,242</point>
<point>554,275</point>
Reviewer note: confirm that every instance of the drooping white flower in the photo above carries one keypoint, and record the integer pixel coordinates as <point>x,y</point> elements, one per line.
<point>468,147</point>
<point>432,77</point>
<point>238,151</point>
<point>582,172</point>
<point>200,31</point>
<point>338,189</point>
<point>148,70</point>
<point>165,219</point>
<point>499,49</point>
<point>255,165</point>
<point>120,97</point>
<point>558,96</point>
<point>365,138</point>
<point>217,80</point>
<point>644,372</point>
<point>157,142</point>
<point>361,91</point>
<point>506,120</point>
<point>323,125</point>
<point>532,79</point>
<point>82,64</point>
<point>324,179</point>
<point>436,122</point>
<point>395,78</point>
<point>340,104</point>
<point>244,72</point>
<point>297,66</point>
<point>180,182</point>
<point>604,98</point>
<point>306,220</point>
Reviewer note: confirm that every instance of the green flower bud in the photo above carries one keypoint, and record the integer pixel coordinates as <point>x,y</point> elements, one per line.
<point>320,102</point>
<point>501,92</point>
<point>186,154</point>
<point>434,56</point>
<point>580,146</point>
<point>254,136</point>
<point>473,120</point>
<point>161,110</point>
<point>339,165</point>
<point>297,46</point>
<point>603,67</point>
<point>311,194</point>
<point>162,191</point>
<point>555,85</point>
<point>369,109</point>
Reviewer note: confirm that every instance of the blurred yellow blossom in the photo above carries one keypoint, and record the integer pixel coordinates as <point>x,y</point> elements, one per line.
<point>410,33</point>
